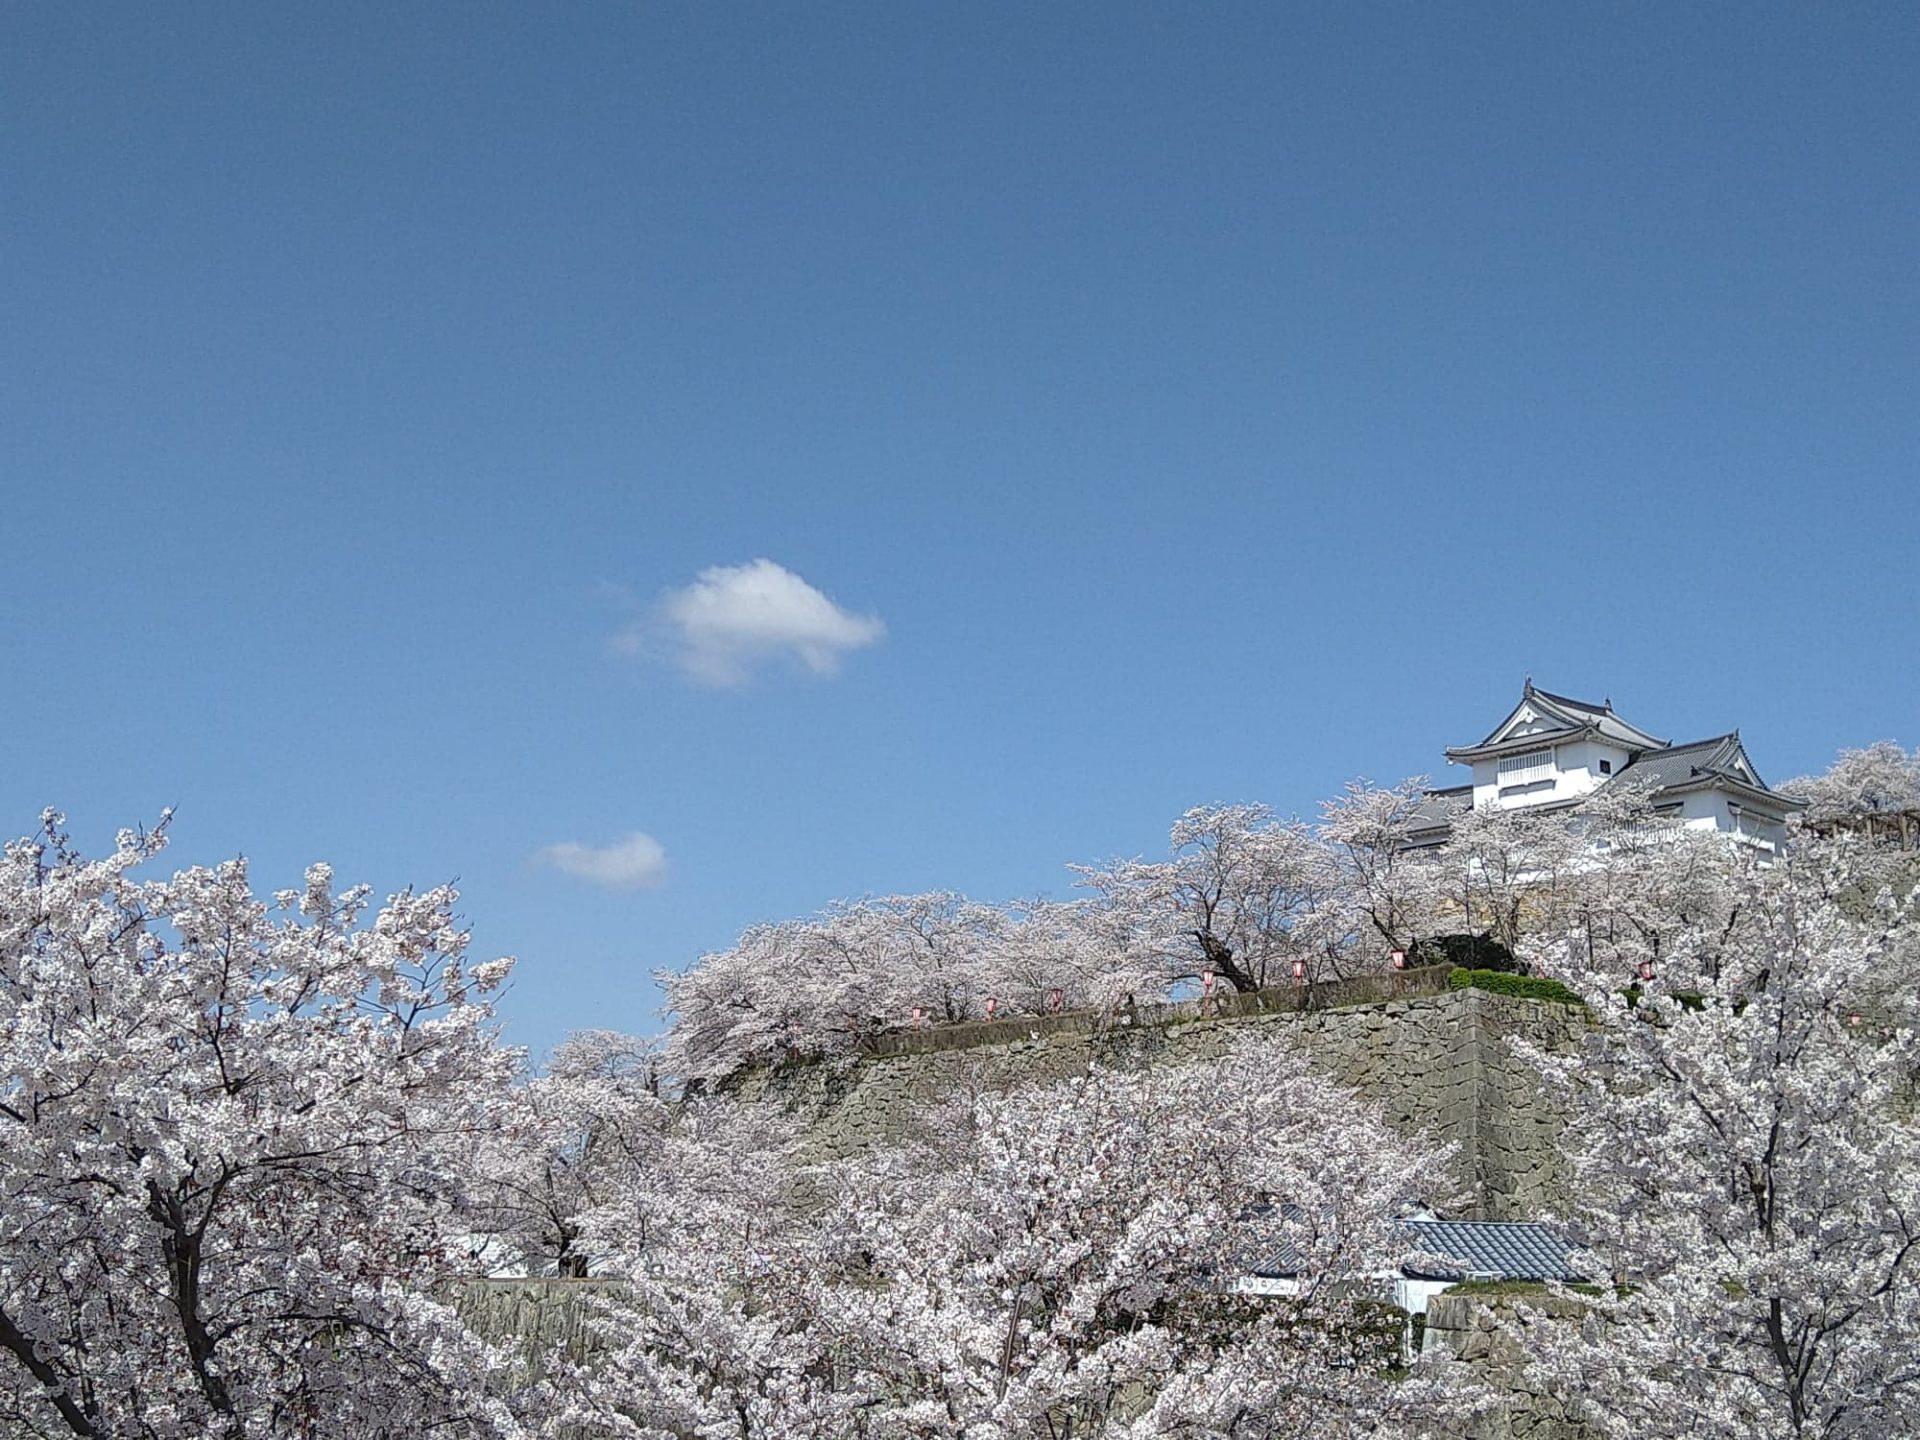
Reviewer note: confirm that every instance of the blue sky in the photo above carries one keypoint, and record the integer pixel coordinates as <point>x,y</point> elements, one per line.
<point>1143,406</point>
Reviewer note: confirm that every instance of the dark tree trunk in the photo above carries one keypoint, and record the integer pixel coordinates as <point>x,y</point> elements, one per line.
<point>1220,957</point>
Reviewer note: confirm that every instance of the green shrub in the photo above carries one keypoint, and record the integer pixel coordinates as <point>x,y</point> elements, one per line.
<point>1517,1287</point>
<point>1525,987</point>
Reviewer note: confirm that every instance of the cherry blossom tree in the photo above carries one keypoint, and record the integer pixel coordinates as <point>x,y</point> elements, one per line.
<point>1748,1162</point>
<point>1065,1260</point>
<point>1508,873</point>
<point>1642,886</point>
<point>1879,783</point>
<point>711,1329</point>
<point>1243,895</point>
<point>1074,954</point>
<point>580,1136</point>
<point>1390,888</point>
<point>824,986</point>
<point>234,1147</point>
<point>1069,1261</point>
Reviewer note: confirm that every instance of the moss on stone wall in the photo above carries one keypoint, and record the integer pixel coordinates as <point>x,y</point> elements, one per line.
<point>1525,987</point>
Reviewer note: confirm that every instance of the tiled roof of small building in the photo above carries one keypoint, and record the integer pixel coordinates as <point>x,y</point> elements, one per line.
<point>1522,1250</point>
<point>1466,1249</point>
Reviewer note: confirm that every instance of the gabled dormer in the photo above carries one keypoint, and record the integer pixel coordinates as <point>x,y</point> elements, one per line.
<point>1720,763</point>
<point>1550,750</point>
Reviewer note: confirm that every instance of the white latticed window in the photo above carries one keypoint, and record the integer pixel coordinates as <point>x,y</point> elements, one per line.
<point>1526,768</point>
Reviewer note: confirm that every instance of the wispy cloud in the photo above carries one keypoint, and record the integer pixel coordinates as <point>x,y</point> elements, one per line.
<point>633,862</point>
<point>734,618</point>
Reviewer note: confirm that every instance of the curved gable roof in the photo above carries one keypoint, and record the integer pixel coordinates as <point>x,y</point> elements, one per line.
<point>1568,719</point>
<point>1720,762</point>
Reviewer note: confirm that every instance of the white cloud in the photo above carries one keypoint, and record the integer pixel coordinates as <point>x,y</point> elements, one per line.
<point>733,618</point>
<point>633,862</point>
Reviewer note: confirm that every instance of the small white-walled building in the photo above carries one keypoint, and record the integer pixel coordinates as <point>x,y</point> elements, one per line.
<point>1553,751</point>
<point>1441,1254</point>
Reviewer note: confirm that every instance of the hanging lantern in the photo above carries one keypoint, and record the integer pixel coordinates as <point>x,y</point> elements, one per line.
<point>993,1004</point>
<point>1053,1001</point>
<point>1299,971</point>
<point>1206,982</point>
<point>1646,970</point>
<point>919,1016</point>
<point>1399,959</point>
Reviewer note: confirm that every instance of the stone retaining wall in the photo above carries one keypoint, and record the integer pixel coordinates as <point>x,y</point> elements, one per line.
<point>1473,1328</point>
<point>1436,1062</point>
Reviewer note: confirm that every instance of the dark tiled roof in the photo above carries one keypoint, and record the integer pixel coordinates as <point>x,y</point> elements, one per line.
<point>1524,1250</point>
<point>1676,764</point>
<point>1573,716</point>
<point>1616,729</point>
<point>1283,1264</point>
<point>1573,704</point>
<point>1440,806</point>
<point>1681,764</point>
<point>1506,1250</point>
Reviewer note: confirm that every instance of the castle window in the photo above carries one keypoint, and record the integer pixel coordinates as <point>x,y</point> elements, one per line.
<point>1527,768</point>
<point>1606,767</point>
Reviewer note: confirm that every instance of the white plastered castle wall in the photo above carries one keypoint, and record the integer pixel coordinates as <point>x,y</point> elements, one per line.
<point>1575,772</point>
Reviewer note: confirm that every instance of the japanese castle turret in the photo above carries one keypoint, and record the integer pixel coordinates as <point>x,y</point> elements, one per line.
<point>1552,751</point>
